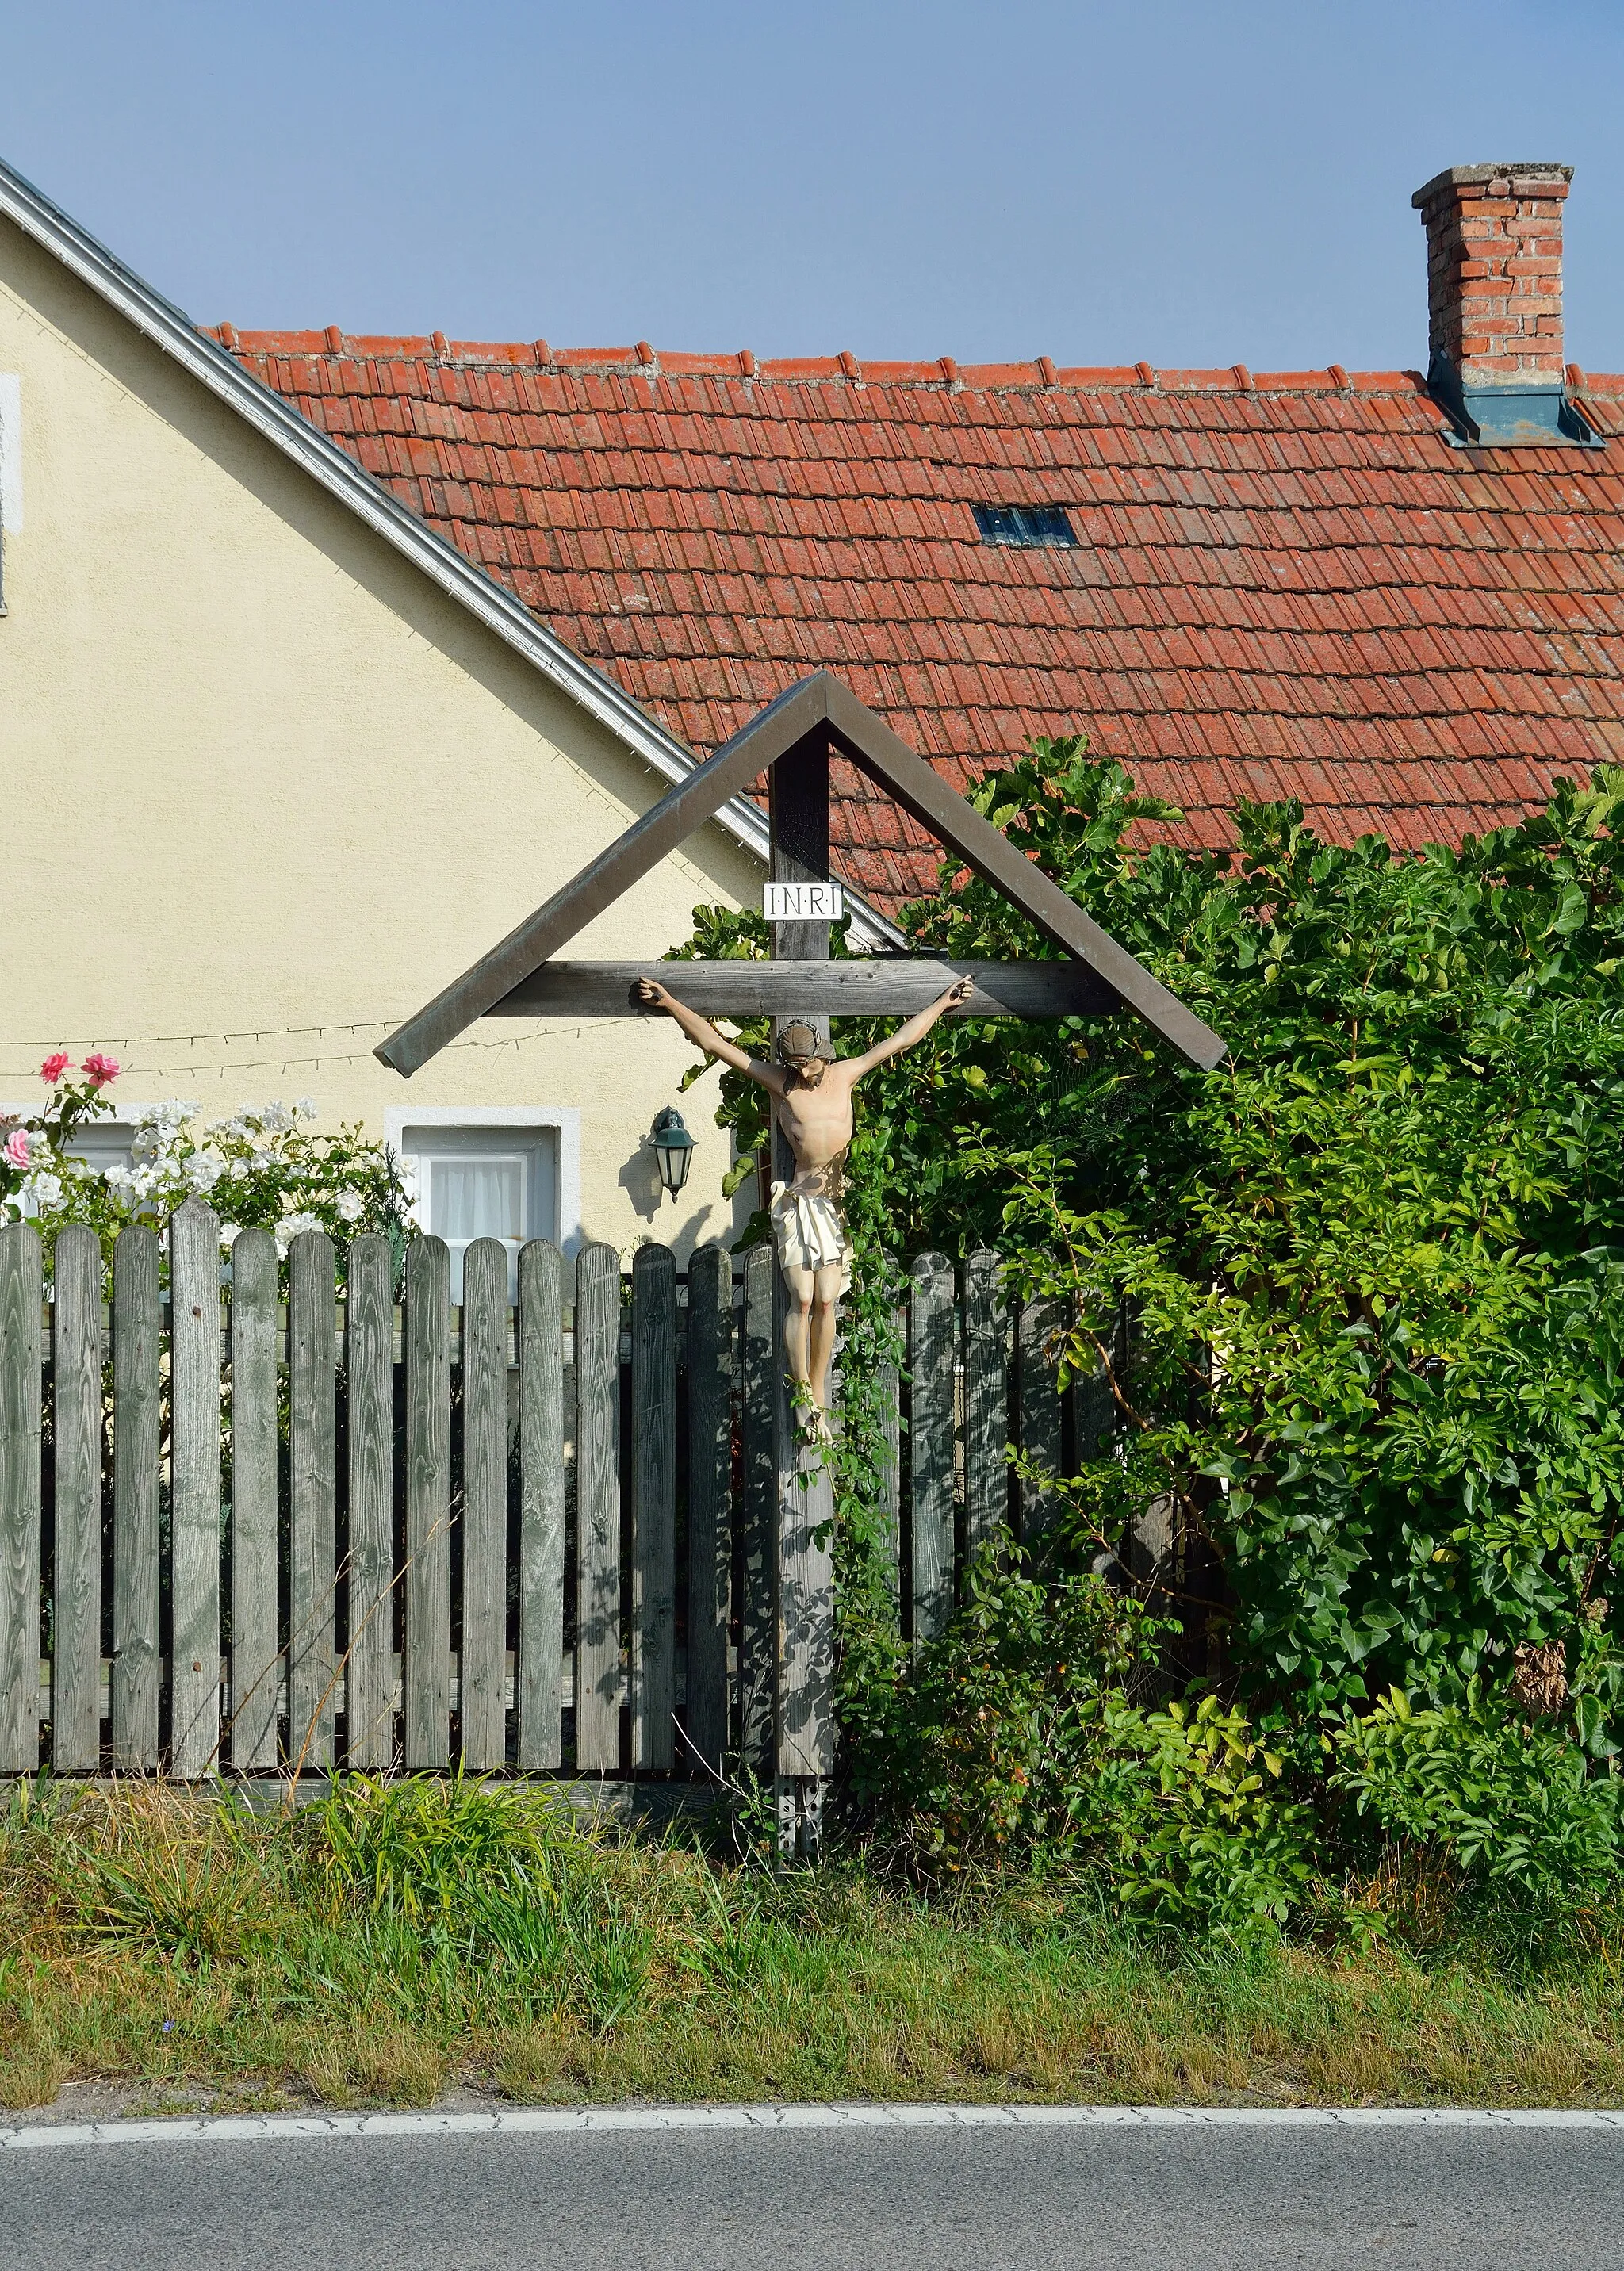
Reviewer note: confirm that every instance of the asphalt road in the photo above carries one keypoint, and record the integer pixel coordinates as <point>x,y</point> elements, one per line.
<point>1235,2199</point>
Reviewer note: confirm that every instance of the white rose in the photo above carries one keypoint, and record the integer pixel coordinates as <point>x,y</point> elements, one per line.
<point>306,1108</point>
<point>277,1117</point>
<point>290,1227</point>
<point>205,1169</point>
<point>351,1205</point>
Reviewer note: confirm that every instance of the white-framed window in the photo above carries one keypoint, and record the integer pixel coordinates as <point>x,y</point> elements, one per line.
<point>105,1143</point>
<point>511,1171</point>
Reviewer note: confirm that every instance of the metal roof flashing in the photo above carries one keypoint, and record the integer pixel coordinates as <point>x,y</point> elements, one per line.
<point>1508,417</point>
<point>173,330</point>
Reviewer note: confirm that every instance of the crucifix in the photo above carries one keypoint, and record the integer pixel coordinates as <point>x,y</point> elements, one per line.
<point>791,741</point>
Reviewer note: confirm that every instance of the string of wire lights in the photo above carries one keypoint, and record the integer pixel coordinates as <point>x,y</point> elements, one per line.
<point>197,1068</point>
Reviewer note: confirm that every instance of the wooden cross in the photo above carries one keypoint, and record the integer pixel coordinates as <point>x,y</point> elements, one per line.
<point>791,741</point>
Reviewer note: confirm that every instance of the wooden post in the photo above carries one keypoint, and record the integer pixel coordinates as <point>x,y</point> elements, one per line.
<point>710,1476</point>
<point>254,1658</point>
<point>76,1397</point>
<point>370,1319</point>
<point>930,1442</point>
<point>21,1299</point>
<point>137,1325</point>
<point>986,1399</point>
<point>541,1504</point>
<point>425,1677</point>
<point>797,818</point>
<point>759,1642</point>
<point>653,1508</point>
<point>599,1685</point>
<point>483,1660</point>
<point>312,1656</point>
<point>194,1563</point>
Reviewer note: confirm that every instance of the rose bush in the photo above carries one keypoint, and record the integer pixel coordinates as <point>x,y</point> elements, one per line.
<point>260,1168</point>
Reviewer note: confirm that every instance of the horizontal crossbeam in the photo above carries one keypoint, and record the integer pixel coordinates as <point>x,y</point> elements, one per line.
<point>889,985</point>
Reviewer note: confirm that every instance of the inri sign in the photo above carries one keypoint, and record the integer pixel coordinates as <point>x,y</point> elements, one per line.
<point>802,902</point>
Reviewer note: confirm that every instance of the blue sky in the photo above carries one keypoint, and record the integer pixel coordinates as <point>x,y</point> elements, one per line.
<point>1101,182</point>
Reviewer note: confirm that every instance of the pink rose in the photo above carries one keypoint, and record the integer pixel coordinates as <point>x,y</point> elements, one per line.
<point>15,1153</point>
<point>100,1069</point>
<point>55,1066</point>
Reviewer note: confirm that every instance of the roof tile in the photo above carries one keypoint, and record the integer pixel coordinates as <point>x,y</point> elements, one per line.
<point>1286,584</point>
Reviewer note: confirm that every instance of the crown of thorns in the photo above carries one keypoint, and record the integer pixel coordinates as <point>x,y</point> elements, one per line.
<point>796,1040</point>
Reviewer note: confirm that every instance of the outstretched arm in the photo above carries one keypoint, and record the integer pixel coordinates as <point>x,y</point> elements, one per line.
<point>704,1036</point>
<point>915,1029</point>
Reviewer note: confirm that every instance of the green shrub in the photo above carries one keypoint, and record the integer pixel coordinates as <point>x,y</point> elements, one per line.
<point>1511,1803</point>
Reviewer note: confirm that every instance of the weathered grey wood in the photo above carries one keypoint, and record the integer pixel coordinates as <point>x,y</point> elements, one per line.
<point>758,1543</point>
<point>870,744</point>
<point>77,1410</point>
<point>255,1664</point>
<point>600,1684</point>
<point>137,1322</point>
<point>987,1398</point>
<point>483,1662</point>
<point>891,1466</point>
<point>194,1427</point>
<point>820,708</point>
<point>369,1382</point>
<point>542,1505</point>
<point>892,986</point>
<point>1040,1411</point>
<point>21,1294</point>
<point>710,1481</point>
<point>695,799</point>
<point>653,1508</point>
<point>427,1676</point>
<point>313,1584</point>
<point>930,1442</point>
<point>798,815</point>
<point>806,1602</point>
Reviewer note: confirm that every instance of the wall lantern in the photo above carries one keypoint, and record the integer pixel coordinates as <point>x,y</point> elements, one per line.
<point>674,1148</point>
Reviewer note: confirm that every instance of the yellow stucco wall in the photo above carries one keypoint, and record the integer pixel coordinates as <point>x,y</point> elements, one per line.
<point>258,772</point>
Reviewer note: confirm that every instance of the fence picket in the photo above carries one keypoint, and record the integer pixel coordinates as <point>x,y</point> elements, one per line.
<point>653,1508</point>
<point>1041,1411</point>
<point>930,1442</point>
<point>986,1399</point>
<point>137,1326</point>
<point>312,1647</point>
<point>890,1468</point>
<point>369,1386</point>
<point>758,1523</point>
<point>256,1663</point>
<point>21,1299</point>
<point>710,1480</point>
<point>195,1466</point>
<point>75,1592</point>
<point>483,1660</point>
<point>598,1684</point>
<point>541,1504</point>
<point>427,1676</point>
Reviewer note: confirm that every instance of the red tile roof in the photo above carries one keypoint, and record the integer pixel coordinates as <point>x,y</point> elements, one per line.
<point>1286,584</point>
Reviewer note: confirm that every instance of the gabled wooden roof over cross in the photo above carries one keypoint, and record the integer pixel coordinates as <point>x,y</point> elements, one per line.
<point>790,741</point>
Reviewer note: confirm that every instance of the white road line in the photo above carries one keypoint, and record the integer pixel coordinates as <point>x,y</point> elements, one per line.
<point>595,2120</point>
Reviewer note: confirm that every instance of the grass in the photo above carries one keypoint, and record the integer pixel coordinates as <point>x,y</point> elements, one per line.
<point>393,1942</point>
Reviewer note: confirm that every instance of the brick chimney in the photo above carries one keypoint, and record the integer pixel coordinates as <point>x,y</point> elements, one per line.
<point>1495,271</point>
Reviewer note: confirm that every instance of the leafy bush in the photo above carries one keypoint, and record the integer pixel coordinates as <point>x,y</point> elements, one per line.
<point>1513,1803</point>
<point>1354,1302</point>
<point>260,1168</point>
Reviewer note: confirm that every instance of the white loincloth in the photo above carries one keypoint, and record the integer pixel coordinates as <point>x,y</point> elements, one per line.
<point>807,1231</point>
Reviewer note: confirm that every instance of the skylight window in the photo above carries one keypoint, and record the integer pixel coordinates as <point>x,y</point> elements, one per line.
<point>1024,523</point>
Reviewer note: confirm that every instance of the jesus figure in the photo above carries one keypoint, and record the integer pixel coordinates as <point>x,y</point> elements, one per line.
<point>812,1104</point>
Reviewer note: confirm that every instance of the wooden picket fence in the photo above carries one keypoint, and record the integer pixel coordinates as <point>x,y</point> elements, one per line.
<point>252,1535</point>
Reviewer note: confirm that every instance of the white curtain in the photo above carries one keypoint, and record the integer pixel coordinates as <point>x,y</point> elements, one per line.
<point>477,1198</point>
